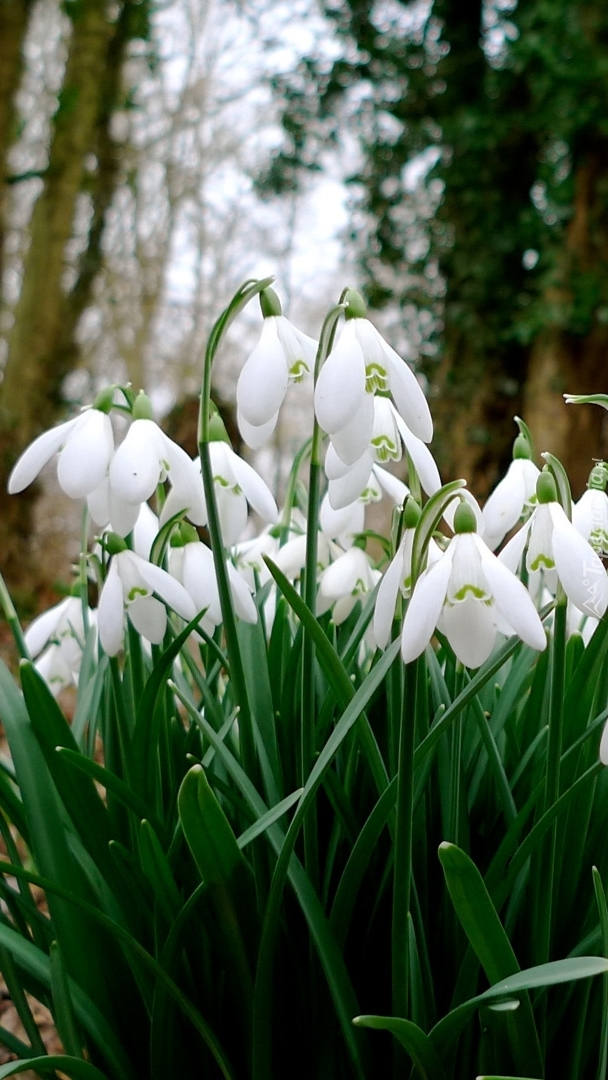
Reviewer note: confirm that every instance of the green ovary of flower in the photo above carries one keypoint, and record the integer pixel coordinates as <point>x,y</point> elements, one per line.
<point>376,378</point>
<point>298,370</point>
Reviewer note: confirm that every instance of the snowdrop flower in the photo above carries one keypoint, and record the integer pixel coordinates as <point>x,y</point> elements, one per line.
<point>470,595</point>
<point>129,586</point>
<point>236,485</point>
<point>514,496</point>
<point>556,551</point>
<point>364,481</point>
<point>397,578</point>
<point>360,364</point>
<point>283,354</point>
<point>146,457</point>
<point>590,513</point>
<point>343,524</point>
<point>191,563</point>
<point>344,582</point>
<point>85,446</point>
<point>56,640</point>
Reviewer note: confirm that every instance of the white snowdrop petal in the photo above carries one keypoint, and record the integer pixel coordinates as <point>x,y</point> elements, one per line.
<point>84,460</point>
<point>470,629</point>
<point>349,519</point>
<point>98,503</point>
<point>145,531</point>
<point>408,395</point>
<point>512,600</point>
<point>344,490</point>
<point>110,612</point>
<point>255,490</point>
<point>44,626</point>
<point>386,600</point>
<point>291,558</point>
<point>334,466</point>
<point>137,463</point>
<point>232,512</point>
<point>256,436</point>
<point>422,459</point>
<point>297,345</point>
<point>199,580</point>
<point>604,746</point>
<point>424,608</point>
<point>187,496</point>
<point>578,566</point>
<point>37,454</point>
<point>353,440</point>
<point>341,383</point>
<point>392,485</point>
<point>264,378</point>
<point>511,554</point>
<point>159,581</point>
<point>149,617</point>
<point>123,515</point>
<point>244,604</point>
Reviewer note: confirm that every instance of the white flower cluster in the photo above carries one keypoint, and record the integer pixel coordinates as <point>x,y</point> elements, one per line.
<point>371,405</point>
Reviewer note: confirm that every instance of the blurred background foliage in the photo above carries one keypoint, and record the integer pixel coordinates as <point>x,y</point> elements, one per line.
<point>148,147</point>
<point>479,133</point>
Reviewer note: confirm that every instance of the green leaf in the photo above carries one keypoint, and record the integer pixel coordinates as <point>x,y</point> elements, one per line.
<point>155,866</point>
<point>63,1009</point>
<point>417,1044</point>
<point>477,913</point>
<point>268,819</point>
<point>76,1068</point>
<point>490,943</point>
<point>228,879</point>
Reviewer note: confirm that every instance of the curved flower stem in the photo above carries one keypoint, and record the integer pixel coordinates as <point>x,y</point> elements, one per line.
<point>308,716</point>
<point>10,614</point>
<point>552,776</point>
<point>402,870</point>
<point>237,673</point>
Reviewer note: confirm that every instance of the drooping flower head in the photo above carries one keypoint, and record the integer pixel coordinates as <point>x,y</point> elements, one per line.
<point>360,365</point>
<point>128,589</point>
<point>85,446</point>
<point>553,551</point>
<point>470,596</point>
<point>515,495</point>
<point>590,513</point>
<point>283,355</point>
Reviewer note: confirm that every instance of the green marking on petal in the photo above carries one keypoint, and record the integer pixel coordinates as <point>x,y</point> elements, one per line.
<point>472,590</point>
<point>298,370</point>
<point>376,378</point>
<point>135,592</point>
<point>386,449</point>
<point>543,562</point>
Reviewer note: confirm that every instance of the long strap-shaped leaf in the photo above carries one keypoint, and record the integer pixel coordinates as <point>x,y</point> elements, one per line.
<point>487,936</point>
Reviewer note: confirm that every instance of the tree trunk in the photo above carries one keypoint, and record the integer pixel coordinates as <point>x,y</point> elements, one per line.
<point>13,26</point>
<point>562,361</point>
<point>31,388</point>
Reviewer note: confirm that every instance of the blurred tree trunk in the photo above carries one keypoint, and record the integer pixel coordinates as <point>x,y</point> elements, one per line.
<point>13,26</point>
<point>42,347</point>
<point>560,360</point>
